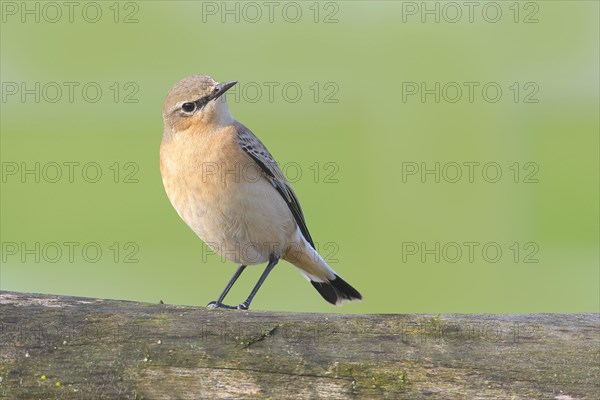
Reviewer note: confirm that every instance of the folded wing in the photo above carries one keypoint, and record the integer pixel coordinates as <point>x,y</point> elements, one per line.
<point>261,156</point>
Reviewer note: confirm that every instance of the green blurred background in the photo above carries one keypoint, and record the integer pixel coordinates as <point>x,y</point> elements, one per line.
<point>360,210</point>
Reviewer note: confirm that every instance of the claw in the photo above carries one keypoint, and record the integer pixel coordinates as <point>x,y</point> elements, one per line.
<point>214,304</point>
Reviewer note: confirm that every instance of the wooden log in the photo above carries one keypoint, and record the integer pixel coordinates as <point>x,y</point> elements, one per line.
<point>61,347</point>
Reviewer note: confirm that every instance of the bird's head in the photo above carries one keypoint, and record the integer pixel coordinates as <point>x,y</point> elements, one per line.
<point>196,102</point>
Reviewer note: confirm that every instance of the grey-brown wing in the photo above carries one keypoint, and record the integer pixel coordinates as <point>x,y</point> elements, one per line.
<point>261,156</point>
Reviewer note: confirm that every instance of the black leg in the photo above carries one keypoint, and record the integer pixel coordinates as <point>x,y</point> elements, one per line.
<point>219,302</point>
<point>272,262</point>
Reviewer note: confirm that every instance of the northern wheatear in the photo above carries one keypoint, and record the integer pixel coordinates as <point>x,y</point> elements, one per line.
<point>227,187</point>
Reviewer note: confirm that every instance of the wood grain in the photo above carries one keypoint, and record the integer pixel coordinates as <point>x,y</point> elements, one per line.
<point>79,348</point>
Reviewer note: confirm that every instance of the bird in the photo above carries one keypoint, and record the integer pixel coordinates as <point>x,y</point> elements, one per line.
<point>227,187</point>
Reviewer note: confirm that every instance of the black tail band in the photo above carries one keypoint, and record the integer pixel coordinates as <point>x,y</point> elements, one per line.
<point>336,290</point>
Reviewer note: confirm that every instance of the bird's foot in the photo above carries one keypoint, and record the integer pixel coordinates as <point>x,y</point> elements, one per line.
<point>214,304</point>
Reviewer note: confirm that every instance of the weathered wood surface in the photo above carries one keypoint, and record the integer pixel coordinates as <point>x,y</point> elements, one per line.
<point>78,348</point>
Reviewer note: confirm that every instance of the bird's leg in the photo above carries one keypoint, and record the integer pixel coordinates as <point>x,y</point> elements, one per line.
<point>272,262</point>
<point>219,302</point>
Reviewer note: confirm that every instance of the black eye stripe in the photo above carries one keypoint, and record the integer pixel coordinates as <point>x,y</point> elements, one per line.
<point>202,102</point>
<point>193,106</point>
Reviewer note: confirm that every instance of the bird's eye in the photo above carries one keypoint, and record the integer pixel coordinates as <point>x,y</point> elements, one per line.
<point>188,107</point>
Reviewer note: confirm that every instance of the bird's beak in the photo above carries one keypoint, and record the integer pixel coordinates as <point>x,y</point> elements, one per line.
<point>221,88</point>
